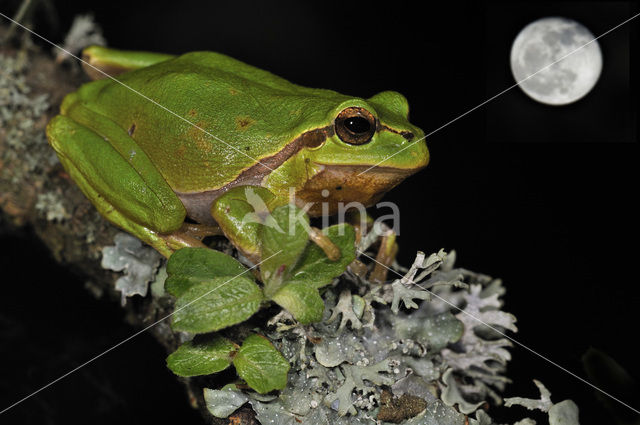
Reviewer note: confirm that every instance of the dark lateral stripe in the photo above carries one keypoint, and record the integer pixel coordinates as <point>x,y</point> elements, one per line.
<point>198,205</point>
<point>312,139</point>
<point>406,134</point>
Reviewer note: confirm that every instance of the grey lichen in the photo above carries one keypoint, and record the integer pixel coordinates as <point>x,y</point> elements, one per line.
<point>359,379</point>
<point>449,351</point>
<point>411,286</point>
<point>563,413</point>
<point>332,351</point>
<point>51,205</point>
<point>157,286</point>
<point>138,262</point>
<point>15,102</point>
<point>84,32</point>
<point>437,413</point>
<point>452,396</point>
<point>342,367</point>
<point>484,353</point>
<point>222,403</point>
<point>349,311</point>
<point>543,403</point>
<point>19,113</point>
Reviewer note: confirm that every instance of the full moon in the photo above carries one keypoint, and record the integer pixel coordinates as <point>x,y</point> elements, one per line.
<point>546,41</point>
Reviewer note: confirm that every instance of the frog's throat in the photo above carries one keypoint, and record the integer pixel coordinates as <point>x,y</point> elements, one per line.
<point>198,204</point>
<point>335,186</point>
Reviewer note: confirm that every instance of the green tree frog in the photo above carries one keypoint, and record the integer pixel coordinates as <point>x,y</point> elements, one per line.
<point>181,136</point>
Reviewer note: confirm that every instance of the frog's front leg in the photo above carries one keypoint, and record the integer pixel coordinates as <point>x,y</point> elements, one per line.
<point>200,231</point>
<point>384,259</point>
<point>240,212</point>
<point>387,250</point>
<point>119,179</point>
<point>330,249</point>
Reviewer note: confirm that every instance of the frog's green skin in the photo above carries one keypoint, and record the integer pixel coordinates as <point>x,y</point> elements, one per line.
<point>146,169</point>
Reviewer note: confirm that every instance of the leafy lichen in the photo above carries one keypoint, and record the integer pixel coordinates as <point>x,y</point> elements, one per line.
<point>341,368</point>
<point>138,262</point>
<point>20,111</point>
<point>84,32</point>
<point>222,403</point>
<point>563,413</point>
<point>445,352</point>
<point>347,310</point>
<point>484,353</point>
<point>51,206</point>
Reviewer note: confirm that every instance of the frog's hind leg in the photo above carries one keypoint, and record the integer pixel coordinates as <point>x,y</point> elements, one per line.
<point>100,62</point>
<point>119,179</point>
<point>165,244</point>
<point>201,231</point>
<point>384,259</point>
<point>387,250</point>
<point>330,249</point>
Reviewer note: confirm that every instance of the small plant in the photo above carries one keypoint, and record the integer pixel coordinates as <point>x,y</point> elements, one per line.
<point>214,291</point>
<point>256,361</point>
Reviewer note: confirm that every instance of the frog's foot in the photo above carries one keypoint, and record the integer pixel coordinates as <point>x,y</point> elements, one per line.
<point>231,210</point>
<point>330,249</point>
<point>387,251</point>
<point>359,268</point>
<point>176,240</point>
<point>361,223</point>
<point>190,235</point>
<point>200,231</point>
<point>100,62</point>
<point>386,254</point>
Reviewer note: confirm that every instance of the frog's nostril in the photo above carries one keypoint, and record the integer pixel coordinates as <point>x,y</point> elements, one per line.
<point>408,135</point>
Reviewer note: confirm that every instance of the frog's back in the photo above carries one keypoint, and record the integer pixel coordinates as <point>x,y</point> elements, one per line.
<point>204,117</point>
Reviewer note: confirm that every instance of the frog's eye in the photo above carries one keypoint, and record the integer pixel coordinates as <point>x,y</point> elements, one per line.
<point>355,125</point>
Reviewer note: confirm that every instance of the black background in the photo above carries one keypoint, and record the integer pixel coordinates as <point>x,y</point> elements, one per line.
<point>539,196</point>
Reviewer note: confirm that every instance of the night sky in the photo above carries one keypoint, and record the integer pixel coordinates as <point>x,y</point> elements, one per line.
<point>540,196</point>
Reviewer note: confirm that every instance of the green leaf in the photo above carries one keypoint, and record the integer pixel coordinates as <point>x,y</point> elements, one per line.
<point>301,300</point>
<point>282,239</point>
<point>315,269</point>
<point>190,266</point>
<point>216,303</point>
<point>261,365</point>
<point>202,358</point>
<point>178,285</point>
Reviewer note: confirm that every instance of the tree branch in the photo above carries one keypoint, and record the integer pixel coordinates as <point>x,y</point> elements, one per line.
<point>36,192</point>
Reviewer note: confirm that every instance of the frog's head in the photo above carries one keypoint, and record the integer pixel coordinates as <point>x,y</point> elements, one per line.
<point>368,148</point>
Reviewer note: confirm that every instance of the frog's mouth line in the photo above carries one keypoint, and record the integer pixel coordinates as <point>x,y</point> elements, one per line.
<point>342,184</point>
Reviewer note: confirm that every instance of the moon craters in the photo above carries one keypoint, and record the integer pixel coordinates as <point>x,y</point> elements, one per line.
<point>551,57</point>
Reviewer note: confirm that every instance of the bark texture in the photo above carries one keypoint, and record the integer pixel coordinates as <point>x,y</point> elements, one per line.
<point>36,193</point>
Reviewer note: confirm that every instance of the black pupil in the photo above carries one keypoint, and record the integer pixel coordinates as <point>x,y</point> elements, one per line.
<point>357,125</point>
